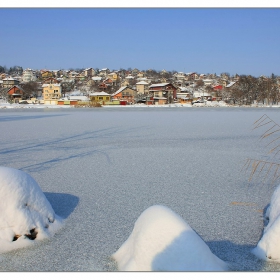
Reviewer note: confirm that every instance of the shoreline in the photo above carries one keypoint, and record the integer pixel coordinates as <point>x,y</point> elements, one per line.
<point>176,105</point>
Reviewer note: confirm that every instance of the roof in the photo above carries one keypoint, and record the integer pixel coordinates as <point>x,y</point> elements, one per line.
<point>16,87</point>
<point>158,85</point>
<point>46,85</point>
<point>76,97</point>
<point>142,83</point>
<point>96,78</point>
<point>230,84</point>
<point>99,93</point>
<point>119,90</point>
<point>10,79</point>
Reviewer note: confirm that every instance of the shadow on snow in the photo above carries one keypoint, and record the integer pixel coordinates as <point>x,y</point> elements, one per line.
<point>63,204</point>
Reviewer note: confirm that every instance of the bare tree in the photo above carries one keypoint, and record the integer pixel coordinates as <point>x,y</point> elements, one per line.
<point>199,83</point>
<point>4,94</point>
<point>30,89</point>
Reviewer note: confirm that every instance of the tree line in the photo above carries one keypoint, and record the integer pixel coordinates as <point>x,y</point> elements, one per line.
<point>249,89</point>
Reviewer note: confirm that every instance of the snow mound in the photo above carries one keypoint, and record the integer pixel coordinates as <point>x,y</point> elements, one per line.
<point>268,248</point>
<point>162,241</point>
<point>25,213</point>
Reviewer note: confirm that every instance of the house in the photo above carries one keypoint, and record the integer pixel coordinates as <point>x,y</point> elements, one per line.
<point>179,76</point>
<point>80,77</point>
<point>223,82</point>
<point>184,97</point>
<point>129,77</point>
<point>10,82</point>
<point>104,72</point>
<point>73,100</point>
<point>46,74</point>
<point>114,77</point>
<point>102,86</point>
<point>96,79</point>
<point>89,72</point>
<point>51,93</point>
<point>197,95</point>
<point>217,87</point>
<point>15,93</point>
<point>73,74</point>
<point>142,88</point>
<point>109,82</point>
<point>208,82</point>
<point>125,94</point>
<point>3,76</point>
<point>51,80</point>
<point>192,76</point>
<point>163,93</point>
<point>29,75</point>
<point>100,97</point>
<point>140,75</point>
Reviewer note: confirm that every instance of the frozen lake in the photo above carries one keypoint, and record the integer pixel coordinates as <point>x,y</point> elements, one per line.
<point>101,168</point>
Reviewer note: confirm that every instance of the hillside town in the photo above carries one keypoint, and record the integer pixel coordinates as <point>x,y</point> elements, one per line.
<point>99,87</point>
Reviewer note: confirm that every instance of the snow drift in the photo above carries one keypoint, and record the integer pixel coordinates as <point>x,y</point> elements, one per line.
<point>163,241</point>
<point>25,213</point>
<point>268,248</point>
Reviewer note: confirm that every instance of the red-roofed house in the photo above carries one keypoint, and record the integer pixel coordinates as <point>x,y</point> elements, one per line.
<point>164,93</point>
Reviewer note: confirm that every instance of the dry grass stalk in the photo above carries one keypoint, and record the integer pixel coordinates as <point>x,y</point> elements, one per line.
<point>258,167</point>
<point>270,169</point>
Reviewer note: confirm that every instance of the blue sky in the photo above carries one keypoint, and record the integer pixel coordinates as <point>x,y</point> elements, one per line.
<point>209,40</point>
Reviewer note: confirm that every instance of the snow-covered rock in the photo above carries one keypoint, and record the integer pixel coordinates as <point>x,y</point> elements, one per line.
<point>25,213</point>
<point>162,241</point>
<point>268,248</point>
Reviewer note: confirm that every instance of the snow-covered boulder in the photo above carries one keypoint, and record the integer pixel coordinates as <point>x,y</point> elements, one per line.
<point>268,248</point>
<point>25,213</point>
<point>162,241</point>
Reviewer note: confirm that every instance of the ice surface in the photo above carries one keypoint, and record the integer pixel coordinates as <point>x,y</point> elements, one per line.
<point>163,241</point>
<point>100,168</point>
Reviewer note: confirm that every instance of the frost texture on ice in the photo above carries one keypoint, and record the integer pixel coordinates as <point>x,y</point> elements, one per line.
<point>162,241</point>
<point>268,248</point>
<point>25,213</point>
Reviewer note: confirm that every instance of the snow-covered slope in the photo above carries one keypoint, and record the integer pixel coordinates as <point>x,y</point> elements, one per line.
<point>25,213</point>
<point>163,241</point>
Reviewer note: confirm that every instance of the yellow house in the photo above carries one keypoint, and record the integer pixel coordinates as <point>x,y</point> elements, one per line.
<point>51,93</point>
<point>113,76</point>
<point>46,74</point>
<point>100,97</point>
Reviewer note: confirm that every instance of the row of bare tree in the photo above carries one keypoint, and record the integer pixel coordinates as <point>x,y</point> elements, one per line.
<point>249,89</point>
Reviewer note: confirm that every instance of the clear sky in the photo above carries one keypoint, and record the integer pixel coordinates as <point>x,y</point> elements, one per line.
<point>203,40</point>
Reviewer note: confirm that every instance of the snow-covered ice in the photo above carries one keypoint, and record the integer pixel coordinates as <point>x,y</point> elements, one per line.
<point>100,168</point>
<point>25,213</point>
<point>163,241</point>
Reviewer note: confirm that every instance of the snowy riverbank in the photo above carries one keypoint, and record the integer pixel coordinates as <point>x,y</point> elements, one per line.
<point>5,105</point>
